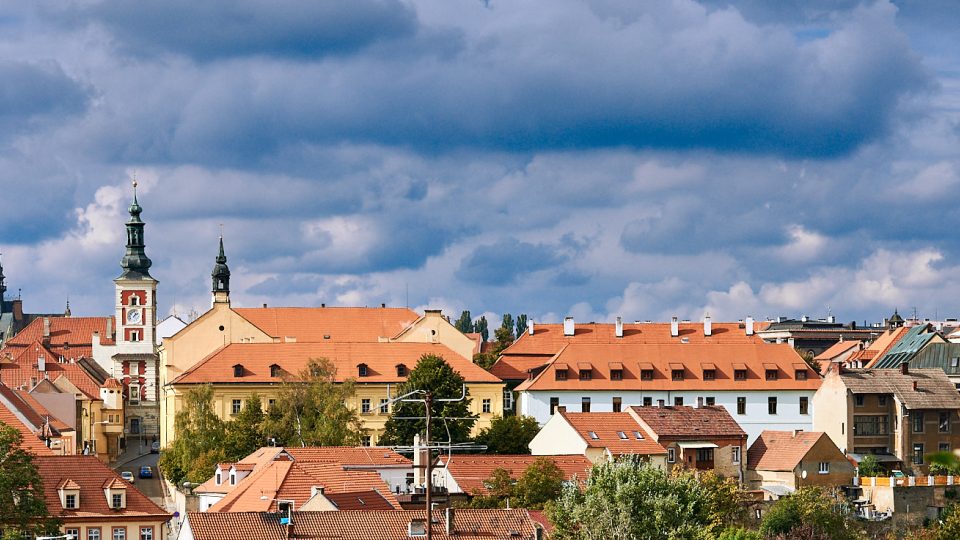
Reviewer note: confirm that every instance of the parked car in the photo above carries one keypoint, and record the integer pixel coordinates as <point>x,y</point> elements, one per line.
<point>155,448</point>
<point>128,476</point>
<point>146,472</point>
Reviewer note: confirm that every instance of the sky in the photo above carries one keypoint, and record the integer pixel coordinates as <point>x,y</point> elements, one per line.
<point>566,157</point>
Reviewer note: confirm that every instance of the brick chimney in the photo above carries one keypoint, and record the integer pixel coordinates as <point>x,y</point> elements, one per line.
<point>618,328</point>
<point>707,326</point>
<point>569,327</point>
<point>905,368</point>
<point>674,327</point>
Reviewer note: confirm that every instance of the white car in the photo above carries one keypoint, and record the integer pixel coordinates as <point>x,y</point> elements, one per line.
<point>128,476</point>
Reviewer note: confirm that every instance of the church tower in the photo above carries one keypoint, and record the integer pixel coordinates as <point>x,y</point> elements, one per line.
<point>3,286</point>
<point>221,278</point>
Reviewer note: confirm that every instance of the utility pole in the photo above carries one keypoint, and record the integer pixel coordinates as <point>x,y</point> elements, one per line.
<point>428,401</point>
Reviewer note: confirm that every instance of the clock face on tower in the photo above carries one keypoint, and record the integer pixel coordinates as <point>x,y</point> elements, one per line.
<point>133,316</point>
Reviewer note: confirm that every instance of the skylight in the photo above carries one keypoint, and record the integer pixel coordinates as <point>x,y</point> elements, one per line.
<point>593,435</point>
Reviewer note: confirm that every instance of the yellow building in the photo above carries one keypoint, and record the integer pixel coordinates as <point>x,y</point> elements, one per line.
<point>208,349</point>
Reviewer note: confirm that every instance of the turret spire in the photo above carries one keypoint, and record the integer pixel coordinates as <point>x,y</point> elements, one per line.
<point>135,263</point>
<point>221,277</point>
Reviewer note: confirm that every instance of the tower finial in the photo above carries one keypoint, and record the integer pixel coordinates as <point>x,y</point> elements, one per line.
<point>221,277</point>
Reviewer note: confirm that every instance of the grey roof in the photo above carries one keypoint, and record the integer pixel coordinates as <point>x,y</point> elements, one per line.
<point>938,355</point>
<point>907,347</point>
<point>934,389</point>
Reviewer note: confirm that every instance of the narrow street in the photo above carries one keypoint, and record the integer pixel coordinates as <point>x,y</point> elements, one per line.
<point>131,460</point>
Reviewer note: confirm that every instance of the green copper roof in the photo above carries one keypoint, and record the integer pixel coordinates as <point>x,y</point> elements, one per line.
<point>906,348</point>
<point>135,263</point>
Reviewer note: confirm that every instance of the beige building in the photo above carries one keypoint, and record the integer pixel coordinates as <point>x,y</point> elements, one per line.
<point>794,459</point>
<point>597,436</point>
<point>898,415</point>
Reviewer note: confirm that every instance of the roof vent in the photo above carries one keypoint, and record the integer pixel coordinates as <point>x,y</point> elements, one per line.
<point>530,328</point>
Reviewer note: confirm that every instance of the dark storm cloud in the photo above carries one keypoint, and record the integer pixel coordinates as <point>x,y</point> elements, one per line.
<point>502,262</point>
<point>220,29</point>
<point>34,93</point>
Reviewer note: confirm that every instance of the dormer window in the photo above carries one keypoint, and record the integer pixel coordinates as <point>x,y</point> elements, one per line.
<point>219,478</point>
<point>116,501</point>
<point>560,373</point>
<point>69,494</point>
<point>233,478</point>
<point>676,374</point>
<point>586,371</point>
<point>709,374</point>
<point>362,370</point>
<point>771,374</point>
<point>801,375</point>
<point>646,374</point>
<point>401,370</point>
<point>616,371</point>
<point>275,370</point>
<point>739,372</point>
<point>238,370</point>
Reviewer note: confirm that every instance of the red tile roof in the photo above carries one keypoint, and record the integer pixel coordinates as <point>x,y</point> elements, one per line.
<point>469,524</point>
<point>359,500</point>
<point>21,369</point>
<point>517,367</point>
<point>781,450</point>
<point>381,360</point>
<point>663,358</point>
<point>31,442</point>
<point>689,423</point>
<point>70,336</point>
<point>837,349</point>
<point>355,456</point>
<point>337,324</point>
<point>607,426</point>
<point>91,475</point>
<point>471,470</point>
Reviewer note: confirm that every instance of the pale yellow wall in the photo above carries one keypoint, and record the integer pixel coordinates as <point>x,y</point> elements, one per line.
<point>106,528</point>
<point>434,328</point>
<point>224,394</point>
<point>831,411</point>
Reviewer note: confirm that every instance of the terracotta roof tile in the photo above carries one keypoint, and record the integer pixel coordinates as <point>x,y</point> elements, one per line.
<point>91,475</point>
<point>336,324</point>
<point>607,426</point>
<point>471,470</point>
<point>781,450</point>
<point>516,367</point>
<point>359,500</point>
<point>381,360</point>
<point>362,456</point>
<point>22,369</point>
<point>31,442</point>
<point>663,358</point>
<point>837,349</point>
<point>77,332</point>
<point>689,422</point>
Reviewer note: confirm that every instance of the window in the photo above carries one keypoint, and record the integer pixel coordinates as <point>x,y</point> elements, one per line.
<point>401,370</point>
<point>709,374</point>
<point>116,501</point>
<point>671,455</point>
<point>800,375</point>
<point>362,370</point>
<point>271,403</point>
<point>365,440</point>
<point>134,300</point>
<point>711,401</point>
<point>739,374</point>
<point>70,501</point>
<point>647,401</point>
<point>622,435</point>
<point>735,454</point>
<point>616,374</point>
<point>274,370</point>
<point>676,374</point>
<point>586,374</point>
<point>119,533</point>
<point>560,374</point>
<point>678,401</point>
<point>585,404</point>
<point>134,335</point>
<point>771,374</point>
<point>704,454</point>
<point>219,478</point>
<point>943,425</point>
<point>804,405</point>
<point>646,374</point>
<point>238,370</point>
<point>858,400</point>
<point>944,447</point>
<point>741,405</point>
<point>918,453</point>
<point>365,406</point>
<point>917,421</point>
<point>74,533</point>
<point>772,405</point>
<point>134,394</point>
<point>593,435</point>
<point>617,404</point>
<point>637,435</point>
<point>955,362</point>
<point>235,406</point>
<point>554,403</point>
<point>93,533</point>
<point>384,407</point>
<point>486,405</point>
<point>870,426</point>
<point>146,533</point>
<point>824,467</point>
<point>507,399</point>
<point>882,401</point>
<point>233,478</point>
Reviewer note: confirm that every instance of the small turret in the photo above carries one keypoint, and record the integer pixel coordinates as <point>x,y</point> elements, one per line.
<point>135,263</point>
<point>221,278</point>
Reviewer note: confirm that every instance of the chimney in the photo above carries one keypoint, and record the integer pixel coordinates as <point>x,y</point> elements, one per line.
<point>46,330</point>
<point>561,409</point>
<point>915,389</point>
<point>530,328</point>
<point>42,363</point>
<point>831,319</point>
<point>660,403</point>
<point>383,304</point>
<point>699,402</point>
<point>264,305</point>
<point>618,327</point>
<point>321,305</point>
<point>568,326</point>
<point>449,521</point>
<point>905,369</point>
<point>18,310</point>
<point>707,326</point>
<point>804,318</point>
<point>674,327</point>
<point>749,326</point>
<point>797,432</point>
<point>109,332</point>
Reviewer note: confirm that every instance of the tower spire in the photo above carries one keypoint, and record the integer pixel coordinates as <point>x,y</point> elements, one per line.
<point>221,277</point>
<point>3,283</point>
<point>135,263</point>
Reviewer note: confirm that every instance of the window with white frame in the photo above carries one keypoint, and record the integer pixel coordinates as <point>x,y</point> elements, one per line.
<point>823,467</point>
<point>735,454</point>
<point>486,405</point>
<point>235,406</point>
<point>365,406</point>
<point>146,533</point>
<point>72,533</point>
<point>507,399</point>
<point>119,533</point>
<point>671,455</point>
<point>93,533</point>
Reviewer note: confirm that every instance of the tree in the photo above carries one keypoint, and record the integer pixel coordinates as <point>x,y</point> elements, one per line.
<point>451,419</point>
<point>541,483</point>
<point>499,490</point>
<point>728,502</point>
<point>812,508</point>
<point>244,434</point>
<point>464,323</point>
<point>503,336</point>
<point>948,526</point>
<point>200,442</point>
<point>521,324</point>
<point>485,360</point>
<point>509,434</point>
<point>24,511</point>
<point>311,409</point>
<point>480,327</point>
<point>626,499</point>
<point>869,466</point>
